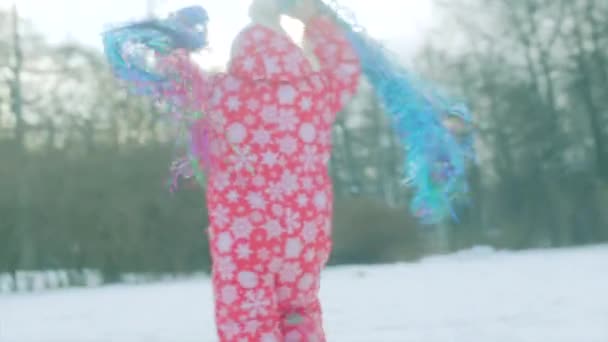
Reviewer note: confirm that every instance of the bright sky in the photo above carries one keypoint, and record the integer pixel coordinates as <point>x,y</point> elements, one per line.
<point>401,22</point>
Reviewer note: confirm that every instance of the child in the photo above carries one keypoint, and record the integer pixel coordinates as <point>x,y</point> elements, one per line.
<point>265,141</point>
<point>269,192</point>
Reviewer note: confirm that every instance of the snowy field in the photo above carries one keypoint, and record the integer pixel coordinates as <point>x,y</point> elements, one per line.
<point>474,296</point>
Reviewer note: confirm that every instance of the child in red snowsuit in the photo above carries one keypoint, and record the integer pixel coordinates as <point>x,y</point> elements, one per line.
<point>265,142</point>
<point>269,120</point>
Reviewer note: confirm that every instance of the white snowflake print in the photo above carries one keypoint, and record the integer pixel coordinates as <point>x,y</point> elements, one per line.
<point>317,83</point>
<point>268,280</point>
<point>253,104</point>
<point>286,94</point>
<point>288,145</point>
<point>224,242</point>
<point>279,44</point>
<point>316,120</point>
<point>290,272</point>
<point>309,157</point>
<point>259,181</point>
<point>223,312</point>
<point>326,226</point>
<point>264,254</point>
<point>282,161</point>
<point>241,227</point>
<point>320,180</point>
<point>236,133</point>
<point>284,293</point>
<point>241,181</point>
<point>256,217</point>
<point>291,62</point>
<point>272,65</point>
<point>321,107</point>
<point>248,64</point>
<point>258,35</point>
<point>302,300</point>
<point>309,255</point>
<point>293,248</point>
<point>325,138</point>
<point>220,215</point>
<point>302,200</point>
<point>244,159</point>
<point>330,50</point>
<point>277,209</point>
<point>307,183</point>
<point>228,294</point>
<point>306,104</point>
<point>249,120</point>
<point>275,191</point>
<point>230,329</point>
<point>256,200</point>
<point>243,251</point>
<point>232,83</point>
<point>217,96</point>
<point>296,336</point>
<point>270,158</point>
<point>222,181</point>
<point>273,229</point>
<point>309,233</point>
<point>287,119</point>
<point>292,220</point>
<point>308,132</point>
<point>262,137</point>
<point>346,71</point>
<point>320,200</point>
<point>325,157</point>
<point>275,265</point>
<point>226,268</point>
<point>328,117</point>
<point>256,303</point>
<point>217,118</point>
<point>289,182</point>
<point>233,196</point>
<point>252,326</point>
<point>247,280</point>
<point>233,104</point>
<point>270,113</point>
<point>269,337</point>
<point>306,282</point>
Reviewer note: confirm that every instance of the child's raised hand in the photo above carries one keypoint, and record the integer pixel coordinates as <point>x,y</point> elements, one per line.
<point>304,10</point>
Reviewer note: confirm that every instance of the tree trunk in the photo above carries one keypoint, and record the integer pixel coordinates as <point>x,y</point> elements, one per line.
<point>26,249</point>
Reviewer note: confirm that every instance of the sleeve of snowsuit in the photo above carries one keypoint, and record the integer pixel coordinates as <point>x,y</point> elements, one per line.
<point>186,85</point>
<point>188,89</point>
<point>338,60</point>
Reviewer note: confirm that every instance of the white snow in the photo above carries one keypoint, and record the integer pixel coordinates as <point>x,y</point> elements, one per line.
<point>474,296</point>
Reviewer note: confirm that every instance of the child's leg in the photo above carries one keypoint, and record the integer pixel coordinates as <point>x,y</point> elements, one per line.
<point>303,324</point>
<point>246,307</point>
<point>299,303</point>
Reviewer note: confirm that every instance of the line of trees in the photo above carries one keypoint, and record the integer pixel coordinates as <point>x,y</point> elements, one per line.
<point>536,73</point>
<point>84,170</point>
<point>83,165</point>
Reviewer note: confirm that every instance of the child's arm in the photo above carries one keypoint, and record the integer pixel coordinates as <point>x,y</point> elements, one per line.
<point>186,85</point>
<point>336,57</point>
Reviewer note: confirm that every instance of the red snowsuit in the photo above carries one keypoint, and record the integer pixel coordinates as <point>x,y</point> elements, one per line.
<point>269,193</point>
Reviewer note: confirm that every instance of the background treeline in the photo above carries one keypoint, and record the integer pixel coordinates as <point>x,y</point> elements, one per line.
<point>84,166</point>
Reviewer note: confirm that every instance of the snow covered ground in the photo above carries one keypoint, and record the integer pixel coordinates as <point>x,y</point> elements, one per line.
<point>474,296</point>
